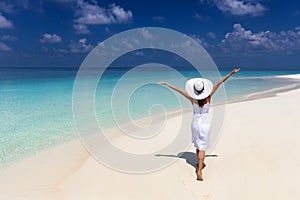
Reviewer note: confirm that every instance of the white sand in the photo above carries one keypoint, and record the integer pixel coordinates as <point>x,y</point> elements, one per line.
<point>256,159</point>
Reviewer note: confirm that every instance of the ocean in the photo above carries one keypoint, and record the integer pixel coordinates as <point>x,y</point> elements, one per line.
<point>36,103</point>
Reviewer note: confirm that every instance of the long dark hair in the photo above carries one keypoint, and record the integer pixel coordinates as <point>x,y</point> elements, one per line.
<point>201,102</point>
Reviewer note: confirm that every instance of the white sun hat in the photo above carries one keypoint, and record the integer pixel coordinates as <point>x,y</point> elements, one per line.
<point>198,88</point>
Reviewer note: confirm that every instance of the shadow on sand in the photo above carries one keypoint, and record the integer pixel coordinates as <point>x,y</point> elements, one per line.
<point>190,158</point>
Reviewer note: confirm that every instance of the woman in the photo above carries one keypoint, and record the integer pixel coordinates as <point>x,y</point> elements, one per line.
<point>199,92</point>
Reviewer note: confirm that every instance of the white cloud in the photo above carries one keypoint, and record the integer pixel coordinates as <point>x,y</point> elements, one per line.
<point>238,7</point>
<point>201,17</point>
<point>127,44</point>
<point>158,18</point>
<point>59,52</point>
<point>190,47</point>
<point>62,50</point>
<point>81,46</point>
<point>121,16</point>
<point>8,38</point>
<point>242,40</point>
<point>4,47</point>
<point>4,23</point>
<point>45,49</point>
<point>87,13</point>
<point>50,38</point>
<point>91,14</point>
<point>145,33</point>
<point>55,51</point>
<point>7,7</point>
<point>139,53</point>
<point>201,41</point>
<point>211,35</point>
<point>13,7</point>
<point>81,29</point>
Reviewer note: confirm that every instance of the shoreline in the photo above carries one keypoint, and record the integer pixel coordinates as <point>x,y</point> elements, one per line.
<point>271,92</point>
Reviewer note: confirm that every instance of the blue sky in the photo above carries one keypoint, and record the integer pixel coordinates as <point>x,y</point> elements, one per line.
<point>250,34</point>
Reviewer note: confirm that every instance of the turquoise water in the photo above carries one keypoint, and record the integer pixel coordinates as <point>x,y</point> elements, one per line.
<point>36,103</point>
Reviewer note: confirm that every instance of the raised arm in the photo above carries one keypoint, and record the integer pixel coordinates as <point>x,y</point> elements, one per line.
<point>216,86</point>
<point>183,93</point>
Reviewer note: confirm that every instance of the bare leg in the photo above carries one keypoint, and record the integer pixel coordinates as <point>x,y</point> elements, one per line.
<point>201,156</point>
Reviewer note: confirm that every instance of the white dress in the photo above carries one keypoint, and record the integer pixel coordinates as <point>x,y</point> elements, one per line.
<point>200,127</point>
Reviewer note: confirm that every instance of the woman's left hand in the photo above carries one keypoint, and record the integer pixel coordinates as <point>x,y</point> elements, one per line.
<point>236,70</point>
<point>162,83</point>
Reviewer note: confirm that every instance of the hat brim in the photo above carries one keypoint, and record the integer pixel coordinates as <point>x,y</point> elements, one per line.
<point>189,87</point>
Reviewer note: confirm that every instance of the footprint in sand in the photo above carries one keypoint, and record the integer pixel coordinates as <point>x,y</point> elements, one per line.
<point>205,197</point>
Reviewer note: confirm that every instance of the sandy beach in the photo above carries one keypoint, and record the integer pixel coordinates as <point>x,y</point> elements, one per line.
<point>255,158</point>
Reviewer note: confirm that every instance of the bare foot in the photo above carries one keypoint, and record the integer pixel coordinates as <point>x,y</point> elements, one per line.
<point>199,176</point>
